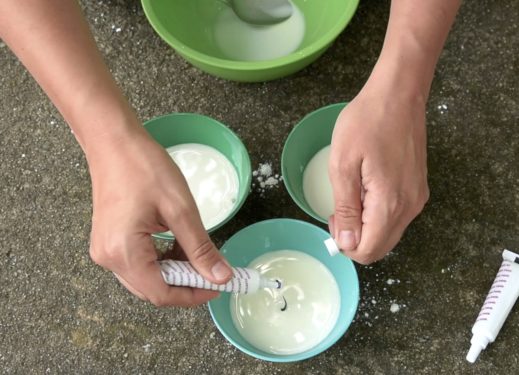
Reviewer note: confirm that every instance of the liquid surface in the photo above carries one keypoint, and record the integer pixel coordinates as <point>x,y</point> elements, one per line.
<point>239,40</point>
<point>317,187</point>
<point>299,315</point>
<point>212,180</point>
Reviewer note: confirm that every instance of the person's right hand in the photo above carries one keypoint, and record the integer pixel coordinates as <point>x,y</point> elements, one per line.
<point>378,168</point>
<point>137,191</point>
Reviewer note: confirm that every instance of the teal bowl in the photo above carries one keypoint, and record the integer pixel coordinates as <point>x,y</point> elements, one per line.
<point>281,234</point>
<point>188,26</point>
<point>308,137</point>
<point>178,128</point>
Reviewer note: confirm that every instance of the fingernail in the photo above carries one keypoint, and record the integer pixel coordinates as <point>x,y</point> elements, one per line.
<point>347,240</point>
<point>221,271</point>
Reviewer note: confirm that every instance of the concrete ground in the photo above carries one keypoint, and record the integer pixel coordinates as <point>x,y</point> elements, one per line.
<point>59,313</point>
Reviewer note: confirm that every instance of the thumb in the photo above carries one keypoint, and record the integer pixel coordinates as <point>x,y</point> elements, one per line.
<point>346,222</point>
<point>199,249</point>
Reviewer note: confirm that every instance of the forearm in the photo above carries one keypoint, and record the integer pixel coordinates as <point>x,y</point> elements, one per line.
<point>415,36</point>
<point>53,41</point>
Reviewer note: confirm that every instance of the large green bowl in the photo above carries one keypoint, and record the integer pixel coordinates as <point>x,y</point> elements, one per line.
<point>286,234</point>
<point>186,25</point>
<point>177,128</point>
<point>308,137</point>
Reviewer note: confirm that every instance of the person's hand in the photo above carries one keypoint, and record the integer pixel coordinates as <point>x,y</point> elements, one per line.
<point>138,190</point>
<point>378,170</point>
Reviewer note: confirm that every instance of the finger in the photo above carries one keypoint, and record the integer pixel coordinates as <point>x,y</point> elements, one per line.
<point>198,247</point>
<point>347,218</point>
<point>381,231</point>
<point>144,279</point>
<point>130,288</point>
<point>374,245</point>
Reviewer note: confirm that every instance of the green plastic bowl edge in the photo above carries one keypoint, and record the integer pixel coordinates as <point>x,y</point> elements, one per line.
<point>310,352</point>
<point>187,52</point>
<point>292,194</point>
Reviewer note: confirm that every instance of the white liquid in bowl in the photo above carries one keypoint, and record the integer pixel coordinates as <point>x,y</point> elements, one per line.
<point>317,187</point>
<point>242,41</point>
<point>212,180</point>
<point>312,304</point>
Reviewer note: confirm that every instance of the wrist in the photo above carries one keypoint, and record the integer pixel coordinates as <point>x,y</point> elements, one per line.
<point>123,145</point>
<point>414,39</point>
<point>104,124</point>
<point>117,147</point>
<point>393,81</point>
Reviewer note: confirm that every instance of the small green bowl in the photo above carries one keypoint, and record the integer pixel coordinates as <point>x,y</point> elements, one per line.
<point>286,234</point>
<point>178,128</point>
<point>308,137</point>
<point>187,26</point>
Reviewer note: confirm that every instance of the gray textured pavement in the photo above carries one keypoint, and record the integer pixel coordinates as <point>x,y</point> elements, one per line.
<point>61,314</point>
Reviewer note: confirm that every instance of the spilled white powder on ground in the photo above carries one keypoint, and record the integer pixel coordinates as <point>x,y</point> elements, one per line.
<point>264,178</point>
<point>271,181</point>
<point>378,296</point>
<point>116,29</point>
<point>265,169</point>
<point>443,108</point>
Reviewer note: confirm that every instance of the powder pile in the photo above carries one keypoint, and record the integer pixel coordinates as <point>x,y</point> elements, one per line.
<point>395,307</point>
<point>264,178</point>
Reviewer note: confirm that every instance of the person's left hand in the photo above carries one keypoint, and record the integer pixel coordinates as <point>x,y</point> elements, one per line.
<point>138,190</point>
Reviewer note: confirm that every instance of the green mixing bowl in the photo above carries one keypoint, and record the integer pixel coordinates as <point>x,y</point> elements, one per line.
<point>188,27</point>
<point>308,137</point>
<point>282,234</point>
<point>178,128</point>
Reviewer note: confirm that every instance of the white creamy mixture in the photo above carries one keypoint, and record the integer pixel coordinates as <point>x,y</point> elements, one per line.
<point>317,187</point>
<point>239,40</point>
<point>212,180</point>
<point>309,315</point>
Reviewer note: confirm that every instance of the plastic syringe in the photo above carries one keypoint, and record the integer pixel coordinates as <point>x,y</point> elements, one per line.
<point>500,300</point>
<point>244,280</point>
